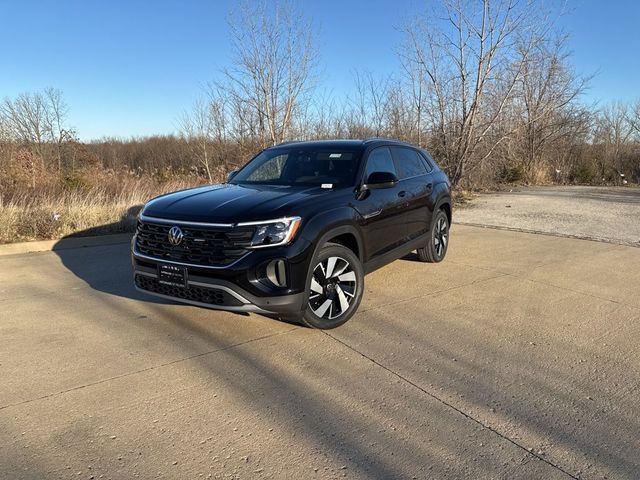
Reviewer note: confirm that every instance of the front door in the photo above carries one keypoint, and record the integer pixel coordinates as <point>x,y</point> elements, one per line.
<point>383,210</point>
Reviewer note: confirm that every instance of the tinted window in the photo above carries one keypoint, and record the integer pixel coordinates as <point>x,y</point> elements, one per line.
<point>301,166</point>
<point>380,160</point>
<point>268,171</point>
<point>428,161</point>
<point>408,163</point>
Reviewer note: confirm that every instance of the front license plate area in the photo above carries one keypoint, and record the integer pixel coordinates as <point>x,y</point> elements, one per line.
<point>172,275</point>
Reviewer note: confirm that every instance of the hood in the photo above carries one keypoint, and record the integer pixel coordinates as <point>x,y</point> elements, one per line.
<point>228,203</point>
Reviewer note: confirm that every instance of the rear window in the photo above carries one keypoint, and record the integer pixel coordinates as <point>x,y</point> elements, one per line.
<point>428,160</point>
<point>409,163</point>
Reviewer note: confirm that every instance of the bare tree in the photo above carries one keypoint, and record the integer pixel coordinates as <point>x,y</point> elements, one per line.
<point>273,65</point>
<point>633,117</point>
<point>55,122</point>
<point>198,127</point>
<point>401,121</point>
<point>416,83</point>
<point>25,118</point>
<point>466,54</point>
<point>613,134</point>
<point>5,134</point>
<point>318,118</point>
<point>39,120</point>
<point>546,97</point>
<point>371,102</point>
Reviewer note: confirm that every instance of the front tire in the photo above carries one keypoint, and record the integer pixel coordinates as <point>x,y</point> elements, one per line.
<point>336,285</point>
<point>438,243</point>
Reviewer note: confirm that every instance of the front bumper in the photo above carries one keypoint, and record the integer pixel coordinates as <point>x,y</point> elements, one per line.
<point>237,287</point>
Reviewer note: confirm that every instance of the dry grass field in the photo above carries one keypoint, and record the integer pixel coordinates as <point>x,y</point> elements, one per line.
<point>107,205</point>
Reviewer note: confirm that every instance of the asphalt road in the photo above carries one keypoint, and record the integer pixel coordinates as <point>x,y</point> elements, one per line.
<point>609,214</point>
<point>518,357</point>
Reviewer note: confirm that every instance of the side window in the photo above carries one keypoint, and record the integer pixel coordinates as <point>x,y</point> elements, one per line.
<point>380,160</point>
<point>408,163</point>
<point>428,161</point>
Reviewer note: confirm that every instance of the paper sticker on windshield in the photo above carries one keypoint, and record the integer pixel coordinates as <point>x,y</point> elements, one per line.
<point>335,155</point>
<point>326,185</point>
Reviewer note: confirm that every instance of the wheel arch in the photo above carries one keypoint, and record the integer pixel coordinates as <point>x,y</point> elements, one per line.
<point>345,235</point>
<point>445,204</point>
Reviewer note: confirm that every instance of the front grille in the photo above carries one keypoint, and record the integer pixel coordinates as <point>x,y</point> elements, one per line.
<point>211,296</point>
<point>212,246</point>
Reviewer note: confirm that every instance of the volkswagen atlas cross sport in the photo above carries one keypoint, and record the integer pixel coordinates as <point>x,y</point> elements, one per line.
<point>293,232</point>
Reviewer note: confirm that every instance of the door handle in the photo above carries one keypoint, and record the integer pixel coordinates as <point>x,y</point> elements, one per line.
<point>402,193</point>
<point>372,214</point>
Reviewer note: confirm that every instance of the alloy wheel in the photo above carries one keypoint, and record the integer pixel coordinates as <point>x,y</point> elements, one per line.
<point>441,236</point>
<point>333,287</point>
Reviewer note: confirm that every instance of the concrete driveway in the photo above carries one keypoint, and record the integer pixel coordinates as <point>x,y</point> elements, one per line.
<point>610,214</point>
<point>518,357</point>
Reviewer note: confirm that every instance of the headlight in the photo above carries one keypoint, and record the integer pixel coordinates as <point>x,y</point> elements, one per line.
<point>272,233</point>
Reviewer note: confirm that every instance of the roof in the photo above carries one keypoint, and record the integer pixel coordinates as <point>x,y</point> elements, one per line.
<point>342,143</point>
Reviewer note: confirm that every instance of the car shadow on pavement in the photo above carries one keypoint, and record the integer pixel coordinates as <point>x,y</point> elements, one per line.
<point>107,267</point>
<point>100,266</point>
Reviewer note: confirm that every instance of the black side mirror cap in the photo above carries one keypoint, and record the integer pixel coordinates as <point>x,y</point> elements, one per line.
<point>380,180</point>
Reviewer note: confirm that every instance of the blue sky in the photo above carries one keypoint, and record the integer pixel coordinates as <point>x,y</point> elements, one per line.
<point>129,68</point>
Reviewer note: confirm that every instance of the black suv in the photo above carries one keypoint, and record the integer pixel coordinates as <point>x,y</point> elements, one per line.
<point>293,232</point>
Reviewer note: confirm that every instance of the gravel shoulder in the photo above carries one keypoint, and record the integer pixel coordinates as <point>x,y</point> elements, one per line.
<point>609,214</point>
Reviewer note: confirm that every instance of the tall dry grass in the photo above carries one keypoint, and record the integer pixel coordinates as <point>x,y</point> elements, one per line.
<point>91,204</point>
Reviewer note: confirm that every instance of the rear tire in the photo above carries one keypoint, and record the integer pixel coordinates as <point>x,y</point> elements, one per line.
<point>436,248</point>
<point>336,285</point>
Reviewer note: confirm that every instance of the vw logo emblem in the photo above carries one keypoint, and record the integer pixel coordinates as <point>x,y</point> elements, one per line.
<point>175,236</point>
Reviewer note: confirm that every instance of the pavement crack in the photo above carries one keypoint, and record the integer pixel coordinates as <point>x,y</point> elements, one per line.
<point>147,369</point>
<point>451,406</point>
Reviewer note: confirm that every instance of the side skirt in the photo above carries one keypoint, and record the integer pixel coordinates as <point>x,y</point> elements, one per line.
<point>396,253</point>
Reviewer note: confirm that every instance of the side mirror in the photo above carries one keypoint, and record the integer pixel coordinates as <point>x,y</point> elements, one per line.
<point>380,180</point>
<point>231,174</point>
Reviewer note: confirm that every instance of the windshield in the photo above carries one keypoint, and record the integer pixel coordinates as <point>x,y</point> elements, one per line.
<point>301,166</point>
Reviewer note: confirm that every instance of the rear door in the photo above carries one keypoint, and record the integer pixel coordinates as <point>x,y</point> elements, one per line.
<point>382,209</point>
<point>416,186</point>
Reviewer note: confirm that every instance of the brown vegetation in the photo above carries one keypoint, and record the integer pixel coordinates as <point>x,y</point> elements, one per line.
<point>487,87</point>
<point>85,201</point>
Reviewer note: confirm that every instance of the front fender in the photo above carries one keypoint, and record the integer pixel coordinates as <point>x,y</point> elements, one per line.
<point>331,223</point>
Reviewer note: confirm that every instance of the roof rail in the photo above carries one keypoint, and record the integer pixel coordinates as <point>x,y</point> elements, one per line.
<point>372,139</point>
<point>287,142</point>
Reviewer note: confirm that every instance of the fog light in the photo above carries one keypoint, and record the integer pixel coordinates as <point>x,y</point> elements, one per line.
<point>276,273</point>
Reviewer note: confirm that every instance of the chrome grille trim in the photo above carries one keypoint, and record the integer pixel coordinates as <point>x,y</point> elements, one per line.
<point>168,221</point>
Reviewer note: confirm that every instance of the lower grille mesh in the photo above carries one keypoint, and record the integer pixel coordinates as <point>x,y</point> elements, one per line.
<point>211,296</point>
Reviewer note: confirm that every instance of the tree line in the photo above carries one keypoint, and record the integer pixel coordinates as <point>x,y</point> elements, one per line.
<point>487,87</point>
